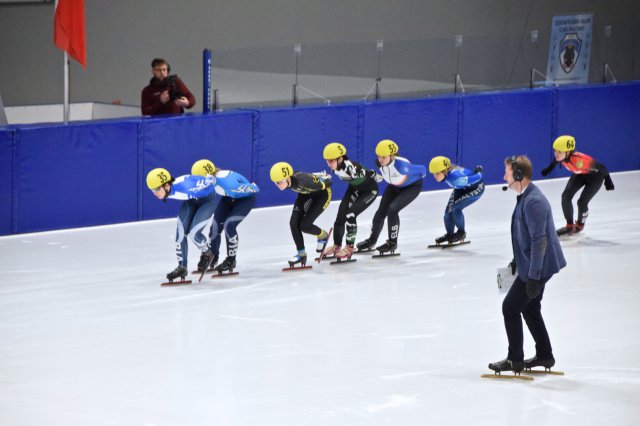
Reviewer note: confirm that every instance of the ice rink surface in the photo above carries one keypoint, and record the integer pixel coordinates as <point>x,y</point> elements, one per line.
<point>88,336</point>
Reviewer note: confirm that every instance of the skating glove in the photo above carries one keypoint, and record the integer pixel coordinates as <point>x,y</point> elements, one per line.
<point>533,288</point>
<point>378,178</point>
<point>512,265</point>
<point>608,184</point>
<point>548,169</point>
<point>478,169</point>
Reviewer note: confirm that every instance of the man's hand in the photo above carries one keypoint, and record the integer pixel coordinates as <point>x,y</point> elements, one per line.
<point>182,102</point>
<point>164,97</point>
<point>512,265</point>
<point>533,288</point>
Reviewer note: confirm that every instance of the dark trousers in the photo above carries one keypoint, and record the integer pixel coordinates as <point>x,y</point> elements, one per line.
<point>393,200</point>
<point>306,210</point>
<point>228,215</point>
<point>517,305</point>
<point>592,183</point>
<point>354,202</point>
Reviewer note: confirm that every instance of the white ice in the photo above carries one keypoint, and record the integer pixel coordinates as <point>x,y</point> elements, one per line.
<point>88,336</point>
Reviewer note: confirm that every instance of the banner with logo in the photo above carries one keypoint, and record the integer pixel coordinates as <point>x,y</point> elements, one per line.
<point>570,49</point>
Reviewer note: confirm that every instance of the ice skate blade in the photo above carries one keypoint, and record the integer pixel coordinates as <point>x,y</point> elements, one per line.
<point>363,251</point>
<point>444,246</point>
<point>296,268</point>
<point>212,269</point>
<point>553,372</point>
<point>339,261</point>
<point>386,254</point>
<point>506,376</point>
<point>175,283</point>
<point>317,259</point>
<point>571,237</point>
<point>224,274</point>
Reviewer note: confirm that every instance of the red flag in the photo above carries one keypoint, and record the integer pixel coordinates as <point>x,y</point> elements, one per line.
<point>69,30</point>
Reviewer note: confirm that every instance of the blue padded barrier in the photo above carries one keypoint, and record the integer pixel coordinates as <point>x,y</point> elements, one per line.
<point>83,174</point>
<point>498,125</point>
<point>422,129</point>
<point>76,175</point>
<point>6,180</point>
<point>605,120</point>
<point>298,136</point>
<point>175,143</point>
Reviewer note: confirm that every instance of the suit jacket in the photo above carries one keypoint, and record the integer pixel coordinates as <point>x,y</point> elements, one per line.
<point>536,248</point>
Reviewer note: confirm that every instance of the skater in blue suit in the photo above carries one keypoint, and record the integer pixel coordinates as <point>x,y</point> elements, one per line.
<point>467,186</point>
<point>237,198</point>
<point>198,204</point>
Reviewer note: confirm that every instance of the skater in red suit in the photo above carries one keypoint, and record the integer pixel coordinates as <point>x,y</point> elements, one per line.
<point>586,172</point>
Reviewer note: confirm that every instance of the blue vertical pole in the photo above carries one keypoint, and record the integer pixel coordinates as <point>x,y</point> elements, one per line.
<point>206,80</point>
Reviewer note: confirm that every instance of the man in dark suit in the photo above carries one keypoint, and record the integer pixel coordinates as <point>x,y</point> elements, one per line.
<point>537,257</point>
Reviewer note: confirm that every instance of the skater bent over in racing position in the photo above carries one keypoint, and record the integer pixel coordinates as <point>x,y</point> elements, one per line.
<point>586,172</point>
<point>538,256</point>
<point>198,205</point>
<point>361,193</point>
<point>237,198</point>
<point>405,184</point>
<point>467,189</point>
<point>314,195</point>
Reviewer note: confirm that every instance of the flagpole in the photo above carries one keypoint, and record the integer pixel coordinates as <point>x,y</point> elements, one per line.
<point>66,89</point>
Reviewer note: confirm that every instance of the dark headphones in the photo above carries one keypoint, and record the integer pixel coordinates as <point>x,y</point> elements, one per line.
<point>518,174</point>
<point>168,68</point>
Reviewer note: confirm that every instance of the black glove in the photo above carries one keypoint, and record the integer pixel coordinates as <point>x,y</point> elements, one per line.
<point>548,169</point>
<point>512,265</point>
<point>478,169</point>
<point>608,184</point>
<point>533,288</point>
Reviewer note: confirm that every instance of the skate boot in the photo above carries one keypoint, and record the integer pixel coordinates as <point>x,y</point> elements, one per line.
<point>445,239</point>
<point>298,258</point>
<point>323,239</point>
<point>535,362</point>
<point>507,365</point>
<point>345,253</point>
<point>458,237</point>
<point>579,226</point>
<point>567,230</point>
<point>332,251</point>
<point>204,261</point>
<point>389,246</point>
<point>366,245</point>
<point>179,272</point>
<point>228,265</point>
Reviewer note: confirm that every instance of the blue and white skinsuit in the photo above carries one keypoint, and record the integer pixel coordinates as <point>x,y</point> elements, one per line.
<point>237,198</point>
<point>468,187</point>
<point>199,202</point>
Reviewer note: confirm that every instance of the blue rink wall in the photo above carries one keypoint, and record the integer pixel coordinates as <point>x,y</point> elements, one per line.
<point>93,173</point>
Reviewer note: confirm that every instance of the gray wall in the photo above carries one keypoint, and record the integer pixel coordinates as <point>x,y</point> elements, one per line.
<point>123,37</point>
